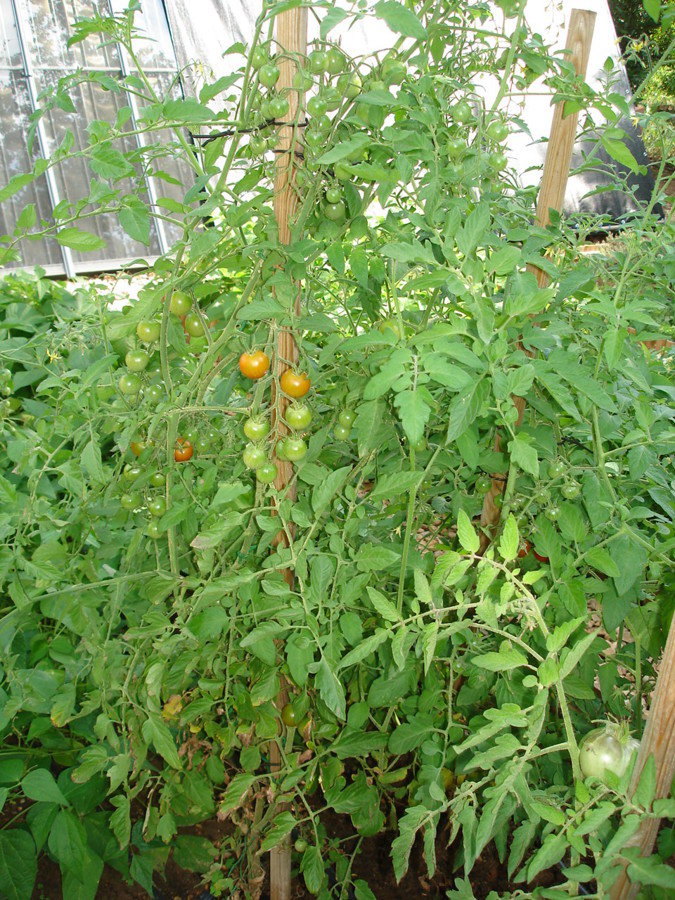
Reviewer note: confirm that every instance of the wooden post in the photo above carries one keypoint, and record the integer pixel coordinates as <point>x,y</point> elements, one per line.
<point>552,190</point>
<point>659,741</point>
<point>291,38</point>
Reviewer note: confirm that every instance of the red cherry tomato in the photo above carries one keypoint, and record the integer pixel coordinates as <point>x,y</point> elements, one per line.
<point>183,450</point>
<point>295,384</point>
<point>254,365</point>
<point>524,550</point>
<point>542,559</point>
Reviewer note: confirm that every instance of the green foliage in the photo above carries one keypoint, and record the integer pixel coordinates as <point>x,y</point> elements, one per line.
<point>148,621</point>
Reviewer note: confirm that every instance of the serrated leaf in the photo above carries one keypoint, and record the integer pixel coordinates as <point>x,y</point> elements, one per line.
<point>76,239</point>
<point>467,533</point>
<point>236,791</point>
<point>135,220</point>
<point>389,486</point>
<point>331,690</point>
<point>383,606</point>
<point>510,539</point>
<point>414,413</point>
<point>503,661</point>
<point>364,649</point>
<point>400,19</point>
<point>284,823</point>
<point>324,492</point>
<point>524,454</point>
<point>91,461</point>
<point>157,733</point>
<point>599,558</point>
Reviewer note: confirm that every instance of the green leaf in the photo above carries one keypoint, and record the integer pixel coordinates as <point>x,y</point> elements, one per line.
<point>344,149</point>
<point>324,492</point>
<point>383,606</point>
<point>40,785</point>
<point>188,111</point>
<point>414,413</point>
<point>646,789</point>
<point>76,239</point>
<point>652,8</point>
<point>524,454</point>
<point>373,557</point>
<point>331,690</point>
<point>332,18</point>
<point>284,823</point>
<point>364,649</point>
<point>312,868</point>
<point>467,533</point>
<point>465,407</point>
<point>91,461</point>
<point>236,791</point>
<point>389,486</point>
<point>599,558</point>
<point>135,220</point>
<point>120,820</point>
<point>400,19</point>
<point>509,541</point>
<point>18,864</point>
<point>619,152</point>
<point>194,853</point>
<point>551,852</point>
<point>569,659</point>
<point>68,840</point>
<point>650,871</point>
<point>502,661</point>
<point>107,162</point>
<point>15,184</point>
<point>157,733</point>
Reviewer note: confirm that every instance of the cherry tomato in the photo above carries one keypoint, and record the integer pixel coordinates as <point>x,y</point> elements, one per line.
<point>130,501</point>
<point>350,85</point>
<point>571,490</point>
<point>553,513</point>
<point>137,360</point>
<point>300,845</point>
<point>259,58</point>
<point>483,484</point>
<point>455,146</point>
<point>498,131</point>
<point>193,325</point>
<point>279,107</point>
<point>254,365</point>
<point>153,530</point>
<point>606,749</point>
<point>131,473</point>
<point>333,195</point>
<point>280,449</point>
<point>332,97</point>
<point>525,548</point>
<point>256,429</point>
<point>498,501</point>
<point>137,447</point>
<point>202,444</point>
<point>347,417</point>
<point>317,62</point>
<point>148,332</point>
<point>298,416</point>
<point>183,450</point>
<point>157,479</point>
<point>335,61</point>
<point>341,432</point>
<point>129,384</point>
<point>336,212</point>
<point>498,161</point>
<point>295,384</point>
<point>295,448</point>
<point>257,145</point>
<point>157,506</point>
<point>316,106</point>
<point>288,716</point>
<point>266,473</point>
<point>180,304</point>
<point>420,446</point>
<point>269,75</point>
<point>461,112</point>
<point>542,559</point>
<point>556,468</point>
<point>254,456</point>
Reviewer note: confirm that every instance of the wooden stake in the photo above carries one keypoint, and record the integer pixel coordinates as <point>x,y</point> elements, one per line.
<point>552,190</point>
<point>291,38</point>
<point>658,741</point>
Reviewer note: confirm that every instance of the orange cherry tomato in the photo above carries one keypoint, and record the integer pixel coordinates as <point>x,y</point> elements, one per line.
<point>254,365</point>
<point>183,450</point>
<point>137,447</point>
<point>295,384</point>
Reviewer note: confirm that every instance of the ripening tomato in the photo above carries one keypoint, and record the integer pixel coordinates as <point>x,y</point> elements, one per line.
<point>608,749</point>
<point>183,450</point>
<point>129,384</point>
<point>347,417</point>
<point>298,416</point>
<point>295,448</point>
<point>288,716</point>
<point>254,365</point>
<point>256,429</point>
<point>525,548</point>
<point>137,360</point>
<point>157,506</point>
<point>268,75</point>
<point>148,332</point>
<point>542,559</point>
<point>180,304</point>
<point>254,456</point>
<point>295,384</point>
<point>193,325</point>
<point>266,473</point>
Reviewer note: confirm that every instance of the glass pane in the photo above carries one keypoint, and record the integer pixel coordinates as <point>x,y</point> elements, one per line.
<point>15,160</point>
<point>153,46</point>
<point>10,49</point>
<point>74,175</point>
<point>50,25</point>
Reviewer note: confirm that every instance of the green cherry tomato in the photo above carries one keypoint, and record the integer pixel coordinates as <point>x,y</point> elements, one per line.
<point>148,332</point>
<point>257,145</point>
<point>131,473</point>
<point>256,429</point>
<point>259,58</point>
<point>194,325</point>
<point>269,75</point>
<point>571,490</point>
<point>316,106</point>
<point>130,501</point>
<point>137,360</point>
<point>420,446</point>
<point>347,417</point>
<point>279,107</point>
<point>332,97</point>
<point>498,500</point>
<point>336,212</point>
<point>483,484</point>
<point>350,85</point>
<point>157,479</point>
<point>191,435</point>
<point>342,172</point>
<point>157,506</point>
<point>498,161</point>
<point>129,384</point>
<point>153,393</point>
<point>314,139</point>
<point>335,61</point>
<point>295,448</point>
<point>288,716</point>
<point>553,513</point>
<point>202,444</point>
<point>341,432</point>
<point>498,131</point>
<point>300,845</point>
<point>333,195</point>
<point>280,450</point>
<point>556,469</point>
<point>455,147</point>
<point>153,530</point>
<point>462,113</point>
<point>180,304</point>
<point>317,62</point>
<point>266,473</point>
<point>298,416</point>
<point>254,456</point>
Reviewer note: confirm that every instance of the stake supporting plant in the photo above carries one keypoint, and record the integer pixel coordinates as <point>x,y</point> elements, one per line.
<point>291,39</point>
<point>551,191</point>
